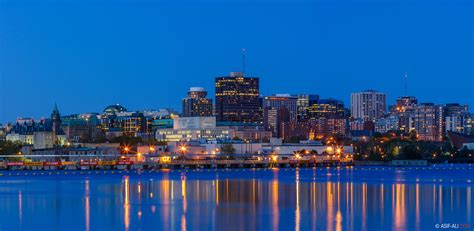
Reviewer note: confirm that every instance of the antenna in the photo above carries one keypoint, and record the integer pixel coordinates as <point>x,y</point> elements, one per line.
<point>406,83</point>
<point>243,61</point>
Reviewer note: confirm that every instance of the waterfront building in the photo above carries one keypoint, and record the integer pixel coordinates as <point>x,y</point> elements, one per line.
<point>196,104</point>
<point>237,98</point>
<point>45,133</point>
<point>82,128</point>
<point>192,128</point>
<point>246,132</point>
<point>368,105</point>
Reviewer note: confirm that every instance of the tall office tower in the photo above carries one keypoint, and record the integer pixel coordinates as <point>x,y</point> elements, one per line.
<point>305,101</point>
<point>196,104</point>
<point>278,109</point>
<point>404,109</point>
<point>368,105</point>
<point>237,99</point>
<point>426,124</point>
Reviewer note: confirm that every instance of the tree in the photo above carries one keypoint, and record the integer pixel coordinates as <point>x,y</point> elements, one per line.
<point>228,149</point>
<point>412,135</point>
<point>9,147</point>
<point>410,152</point>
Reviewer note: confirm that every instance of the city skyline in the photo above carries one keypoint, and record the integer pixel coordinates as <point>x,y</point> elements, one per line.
<point>134,58</point>
<point>178,108</point>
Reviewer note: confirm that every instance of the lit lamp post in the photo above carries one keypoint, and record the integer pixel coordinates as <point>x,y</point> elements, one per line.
<point>126,150</point>
<point>182,150</point>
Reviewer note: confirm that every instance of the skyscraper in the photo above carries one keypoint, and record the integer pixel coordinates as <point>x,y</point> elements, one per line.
<point>237,99</point>
<point>196,104</point>
<point>426,121</point>
<point>368,105</point>
<point>305,101</point>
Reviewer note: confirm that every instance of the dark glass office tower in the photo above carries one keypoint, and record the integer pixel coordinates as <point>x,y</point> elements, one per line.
<point>237,99</point>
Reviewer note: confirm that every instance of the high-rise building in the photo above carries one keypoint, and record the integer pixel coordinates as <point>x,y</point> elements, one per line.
<point>404,109</point>
<point>427,122</point>
<point>304,101</point>
<point>196,104</point>
<point>456,117</point>
<point>368,105</point>
<point>326,108</point>
<point>237,99</point>
<point>455,109</point>
<point>278,109</point>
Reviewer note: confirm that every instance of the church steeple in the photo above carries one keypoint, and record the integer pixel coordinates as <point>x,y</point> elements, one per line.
<point>56,123</point>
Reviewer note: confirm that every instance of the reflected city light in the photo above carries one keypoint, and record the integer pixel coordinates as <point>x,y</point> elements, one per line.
<point>282,200</point>
<point>126,202</point>
<point>87,205</point>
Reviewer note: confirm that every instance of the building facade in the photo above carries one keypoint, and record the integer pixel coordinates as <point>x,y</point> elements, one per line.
<point>426,122</point>
<point>304,101</point>
<point>237,98</point>
<point>196,104</point>
<point>368,105</point>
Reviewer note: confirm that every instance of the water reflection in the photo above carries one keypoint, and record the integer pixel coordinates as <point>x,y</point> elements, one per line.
<point>283,200</point>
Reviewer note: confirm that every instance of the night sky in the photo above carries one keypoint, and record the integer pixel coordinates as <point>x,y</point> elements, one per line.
<point>85,55</point>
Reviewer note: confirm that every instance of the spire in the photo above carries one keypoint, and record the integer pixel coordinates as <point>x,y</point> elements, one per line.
<point>243,61</point>
<point>56,107</point>
<point>406,83</point>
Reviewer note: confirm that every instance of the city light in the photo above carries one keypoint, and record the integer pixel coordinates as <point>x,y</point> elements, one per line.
<point>274,158</point>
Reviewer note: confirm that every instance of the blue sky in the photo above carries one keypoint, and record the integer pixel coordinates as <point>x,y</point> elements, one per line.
<point>85,55</point>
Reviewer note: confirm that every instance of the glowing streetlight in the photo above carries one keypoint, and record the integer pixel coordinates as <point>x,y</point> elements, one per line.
<point>274,158</point>
<point>329,149</point>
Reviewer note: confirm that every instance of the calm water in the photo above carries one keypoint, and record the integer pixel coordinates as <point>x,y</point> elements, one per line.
<point>285,199</point>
